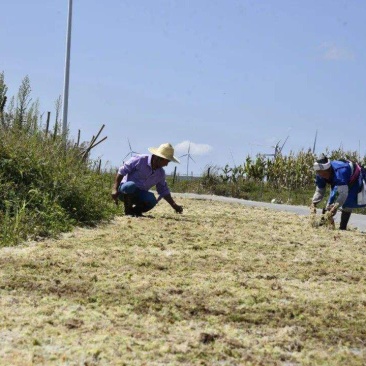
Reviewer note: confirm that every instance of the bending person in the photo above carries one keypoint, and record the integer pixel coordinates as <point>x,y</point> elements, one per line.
<point>135,177</point>
<point>346,180</point>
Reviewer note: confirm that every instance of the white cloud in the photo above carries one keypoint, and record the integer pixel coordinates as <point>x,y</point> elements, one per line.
<point>195,149</point>
<point>334,53</point>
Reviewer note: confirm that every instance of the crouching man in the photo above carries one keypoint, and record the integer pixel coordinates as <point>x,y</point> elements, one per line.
<point>140,173</point>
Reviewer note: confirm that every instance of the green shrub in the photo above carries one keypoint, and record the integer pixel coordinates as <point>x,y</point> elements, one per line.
<point>46,183</point>
<point>45,190</point>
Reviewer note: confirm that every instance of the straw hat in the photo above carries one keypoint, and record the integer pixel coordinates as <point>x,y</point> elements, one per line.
<point>165,151</point>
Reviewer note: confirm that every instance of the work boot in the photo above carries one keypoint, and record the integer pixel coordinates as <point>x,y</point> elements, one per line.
<point>128,203</point>
<point>344,220</point>
<point>138,209</point>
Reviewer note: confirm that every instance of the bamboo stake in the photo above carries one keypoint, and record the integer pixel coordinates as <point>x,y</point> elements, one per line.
<point>3,104</point>
<point>97,135</point>
<point>86,152</point>
<point>174,174</point>
<point>103,139</point>
<point>2,111</point>
<point>48,122</point>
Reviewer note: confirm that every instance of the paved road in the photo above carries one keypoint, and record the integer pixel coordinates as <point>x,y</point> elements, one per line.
<point>356,220</point>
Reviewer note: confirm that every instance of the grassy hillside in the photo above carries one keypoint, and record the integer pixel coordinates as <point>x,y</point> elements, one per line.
<point>45,190</point>
<point>47,182</point>
<point>219,285</point>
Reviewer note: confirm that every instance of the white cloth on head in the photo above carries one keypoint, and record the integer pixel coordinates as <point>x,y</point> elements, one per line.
<point>320,166</point>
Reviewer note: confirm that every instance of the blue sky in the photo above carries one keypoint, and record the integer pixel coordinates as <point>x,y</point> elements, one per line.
<point>231,77</point>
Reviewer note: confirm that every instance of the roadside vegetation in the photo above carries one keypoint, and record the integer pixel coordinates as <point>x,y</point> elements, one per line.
<point>47,183</point>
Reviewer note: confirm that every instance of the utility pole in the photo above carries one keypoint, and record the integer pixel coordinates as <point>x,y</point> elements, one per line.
<point>67,73</point>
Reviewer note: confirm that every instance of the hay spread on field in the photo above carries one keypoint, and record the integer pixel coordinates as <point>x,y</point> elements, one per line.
<point>222,284</point>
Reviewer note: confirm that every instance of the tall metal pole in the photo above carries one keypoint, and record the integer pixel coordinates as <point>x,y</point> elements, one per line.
<point>67,73</point>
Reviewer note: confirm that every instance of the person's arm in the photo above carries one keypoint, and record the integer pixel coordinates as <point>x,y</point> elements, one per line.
<point>164,192</point>
<point>337,198</point>
<point>128,167</point>
<point>318,195</point>
<point>320,188</point>
<point>117,182</point>
<point>169,199</point>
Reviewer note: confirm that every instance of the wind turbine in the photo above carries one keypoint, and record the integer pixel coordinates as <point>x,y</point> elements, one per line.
<point>188,155</point>
<point>131,152</point>
<point>277,148</point>
<point>316,135</point>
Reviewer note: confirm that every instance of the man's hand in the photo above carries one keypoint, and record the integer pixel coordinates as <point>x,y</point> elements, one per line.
<point>115,197</point>
<point>178,209</point>
<point>117,182</point>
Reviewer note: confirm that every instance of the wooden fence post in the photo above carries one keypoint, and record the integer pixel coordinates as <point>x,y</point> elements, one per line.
<point>2,111</point>
<point>48,122</point>
<point>78,142</point>
<point>174,174</point>
<point>3,104</point>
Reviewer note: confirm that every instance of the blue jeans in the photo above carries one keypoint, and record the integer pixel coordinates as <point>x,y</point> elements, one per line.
<point>145,199</point>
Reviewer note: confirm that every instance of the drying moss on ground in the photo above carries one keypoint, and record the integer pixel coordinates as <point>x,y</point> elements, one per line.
<point>222,284</point>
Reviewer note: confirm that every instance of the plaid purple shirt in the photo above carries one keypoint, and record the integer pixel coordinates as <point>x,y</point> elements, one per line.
<point>138,170</point>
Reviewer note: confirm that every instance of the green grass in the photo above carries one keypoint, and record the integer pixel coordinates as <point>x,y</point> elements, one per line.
<point>47,182</point>
<point>45,190</point>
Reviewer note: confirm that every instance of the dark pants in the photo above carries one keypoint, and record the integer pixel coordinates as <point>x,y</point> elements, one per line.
<point>144,199</point>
